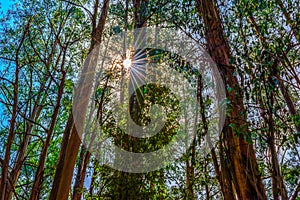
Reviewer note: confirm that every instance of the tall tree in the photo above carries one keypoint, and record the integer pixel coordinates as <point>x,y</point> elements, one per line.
<point>240,153</point>
<point>6,186</point>
<point>71,139</point>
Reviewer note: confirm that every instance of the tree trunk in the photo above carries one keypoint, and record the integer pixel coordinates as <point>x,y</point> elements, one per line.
<point>225,188</point>
<point>285,94</point>
<point>240,152</point>
<point>37,184</point>
<point>71,140</point>
<point>6,187</point>
<point>56,187</point>
<point>16,170</point>
<point>79,185</point>
<point>77,188</point>
<point>126,180</point>
<point>94,177</point>
<point>292,23</point>
<point>278,185</point>
<point>84,153</point>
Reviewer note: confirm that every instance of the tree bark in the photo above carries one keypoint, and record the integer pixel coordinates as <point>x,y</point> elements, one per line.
<point>84,153</point>
<point>71,140</point>
<point>225,188</point>
<point>240,152</point>
<point>278,184</point>
<point>82,173</point>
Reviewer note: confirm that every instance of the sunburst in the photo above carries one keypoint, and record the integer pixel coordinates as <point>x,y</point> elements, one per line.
<point>127,63</point>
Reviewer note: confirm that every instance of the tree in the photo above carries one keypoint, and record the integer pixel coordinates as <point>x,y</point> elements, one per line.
<point>240,153</point>
<point>71,140</point>
<point>45,44</point>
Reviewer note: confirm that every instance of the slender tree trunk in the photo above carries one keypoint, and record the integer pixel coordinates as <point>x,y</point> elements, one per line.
<point>37,184</point>
<point>77,188</point>
<point>292,23</point>
<point>225,188</point>
<point>95,173</point>
<point>71,139</point>
<point>278,185</point>
<point>279,188</point>
<point>286,96</point>
<point>295,194</point>
<point>241,153</point>
<point>84,153</point>
<point>127,180</point>
<point>288,100</point>
<point>206,178</point>
<point>190,159</point>
<point>6,186</point>
<point>189,178</point>
<point>77,194</point>
<point>37,108</point>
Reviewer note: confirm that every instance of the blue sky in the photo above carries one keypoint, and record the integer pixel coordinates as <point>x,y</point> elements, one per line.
<point>5,4</point>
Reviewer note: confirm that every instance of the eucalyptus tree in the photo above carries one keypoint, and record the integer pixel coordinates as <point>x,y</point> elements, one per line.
<point>45,59</point>
<point>45,44</point>
<point>244,172</point>
<point>71,141</point>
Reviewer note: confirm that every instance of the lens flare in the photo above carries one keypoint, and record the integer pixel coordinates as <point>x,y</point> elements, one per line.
<point>127,63</point>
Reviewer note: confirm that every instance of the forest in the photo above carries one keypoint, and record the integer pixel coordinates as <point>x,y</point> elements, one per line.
<point>150,99</point>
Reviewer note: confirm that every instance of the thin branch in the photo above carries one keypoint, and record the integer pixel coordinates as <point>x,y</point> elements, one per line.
<point>78,5</point>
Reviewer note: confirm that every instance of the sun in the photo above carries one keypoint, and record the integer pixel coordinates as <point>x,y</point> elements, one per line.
<point>127,63</point>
